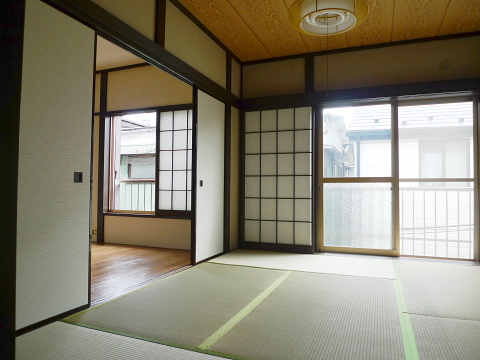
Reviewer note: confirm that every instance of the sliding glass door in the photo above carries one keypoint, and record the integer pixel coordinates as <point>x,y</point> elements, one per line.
<point>357,180</point>
<point>398,178</point>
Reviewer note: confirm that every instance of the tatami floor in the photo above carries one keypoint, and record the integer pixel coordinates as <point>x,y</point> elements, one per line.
<point>425,309</point>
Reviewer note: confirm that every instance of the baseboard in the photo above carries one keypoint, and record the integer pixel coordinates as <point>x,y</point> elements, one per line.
<point>42,323</point>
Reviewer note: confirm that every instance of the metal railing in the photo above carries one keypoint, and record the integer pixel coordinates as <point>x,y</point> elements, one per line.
<point>437,221</point>
<point>137,195</point>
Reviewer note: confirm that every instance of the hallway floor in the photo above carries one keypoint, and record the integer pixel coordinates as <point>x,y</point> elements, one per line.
<point>116,268</point>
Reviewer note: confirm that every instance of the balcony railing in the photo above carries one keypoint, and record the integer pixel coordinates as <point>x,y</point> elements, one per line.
<point>437,221</point>
<point>137,195</point>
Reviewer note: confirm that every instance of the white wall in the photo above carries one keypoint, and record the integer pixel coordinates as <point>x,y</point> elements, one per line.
<point>210,169</point>
<point>55,141</point>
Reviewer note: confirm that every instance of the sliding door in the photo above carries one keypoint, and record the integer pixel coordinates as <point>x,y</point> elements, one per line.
<point>209,187</point>
<point>399,178</point>
<point>357,182</point>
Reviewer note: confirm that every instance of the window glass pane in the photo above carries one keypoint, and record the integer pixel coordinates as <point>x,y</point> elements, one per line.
<point>285,141</point>
<point>180,140</point>
<point>132,169</point>
<point>180,120</point>
<point>269,120</point>
<point>252,187</point>
<point>252,121</point>
<point>252,143</point>
<point>437,221</point>
<point>357,141</point>
<point>436,141</point>
<point>286,119</point>
<point>180,160</point>
<point>179,200</point>
<point>166,120</point>
<point>166,138</point>
<point>269,231</point>
<point>285,232</point>
<point>358,215</point>
<point>165,200</point>
<point>165,180</point>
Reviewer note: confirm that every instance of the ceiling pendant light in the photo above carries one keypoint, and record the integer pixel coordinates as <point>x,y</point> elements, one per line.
<point>327,17</point>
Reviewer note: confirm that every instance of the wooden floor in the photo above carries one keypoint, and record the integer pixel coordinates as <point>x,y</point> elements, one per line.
<point>117,267</point>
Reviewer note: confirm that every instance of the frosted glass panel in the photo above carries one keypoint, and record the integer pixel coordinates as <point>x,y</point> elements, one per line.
<point>179,200</point>
<point>180,160</point>
<point>302,141</point>
<point>303,118</point>
<point>252,165</point>
<point>165,180</point>
<point>269,231</point>
<point>166,121</point>
<point>252,231</point>
<point>252,187</point>
<point>302,164</point>
<point>180,140</point>
<point>252,143</point>
<point>165,159</point>
<point>285,232</point>
<point>252,121</point>
<point>269,120</point>
<point>179,180</point>
<point>269,142</point>
<point>285,142</point>
<point>189,200</point>
<point>165,200</point>
<point>303,234</point>
<point>358,215</point>
<point>269,187</point>
<point>285,164</point>
<point>269,209</point>
<point>180,121</point>
<point>302,210</point>
<point>285,119</point>
<point>189,180</point>
<point>269,164</point>
<point>285,186</point>
<point>166,140</point>
<point>285,209</point>
<point>303,187</point>
<point>252,209</point>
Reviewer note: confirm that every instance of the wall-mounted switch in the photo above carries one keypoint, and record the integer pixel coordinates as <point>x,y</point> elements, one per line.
<point>78,177</point>
<point>201,183</point>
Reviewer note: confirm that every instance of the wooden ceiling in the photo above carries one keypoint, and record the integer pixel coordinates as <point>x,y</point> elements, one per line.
<point>259,29</point>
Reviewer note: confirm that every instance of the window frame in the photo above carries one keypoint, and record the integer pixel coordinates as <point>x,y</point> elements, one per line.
<point>156,213</point>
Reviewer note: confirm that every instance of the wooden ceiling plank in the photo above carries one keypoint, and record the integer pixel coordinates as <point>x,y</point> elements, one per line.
<point>320,43</point>
<point>414,19</point>
<point>226,24</point>
<point>268,19</point>
<point>462,16</point>
<point>376,28</point>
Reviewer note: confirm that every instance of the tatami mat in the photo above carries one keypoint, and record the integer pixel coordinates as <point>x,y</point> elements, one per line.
<point>441,289</point>
<point>320,316</point>
<point>446,339</point>
<point>320,263</point>
<point>60,341</point>
<point>183,309</point>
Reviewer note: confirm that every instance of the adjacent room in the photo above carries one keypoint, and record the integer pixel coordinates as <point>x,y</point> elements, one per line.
<point>277,179</point>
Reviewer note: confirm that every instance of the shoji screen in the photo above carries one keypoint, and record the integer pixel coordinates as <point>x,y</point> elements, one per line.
<point>55,141</point>
<point>210,176</point>
<point>278,177</point>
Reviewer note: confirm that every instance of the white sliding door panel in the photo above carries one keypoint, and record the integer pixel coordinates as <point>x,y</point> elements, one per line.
<point>55,141</point>
<point>210,177</point>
